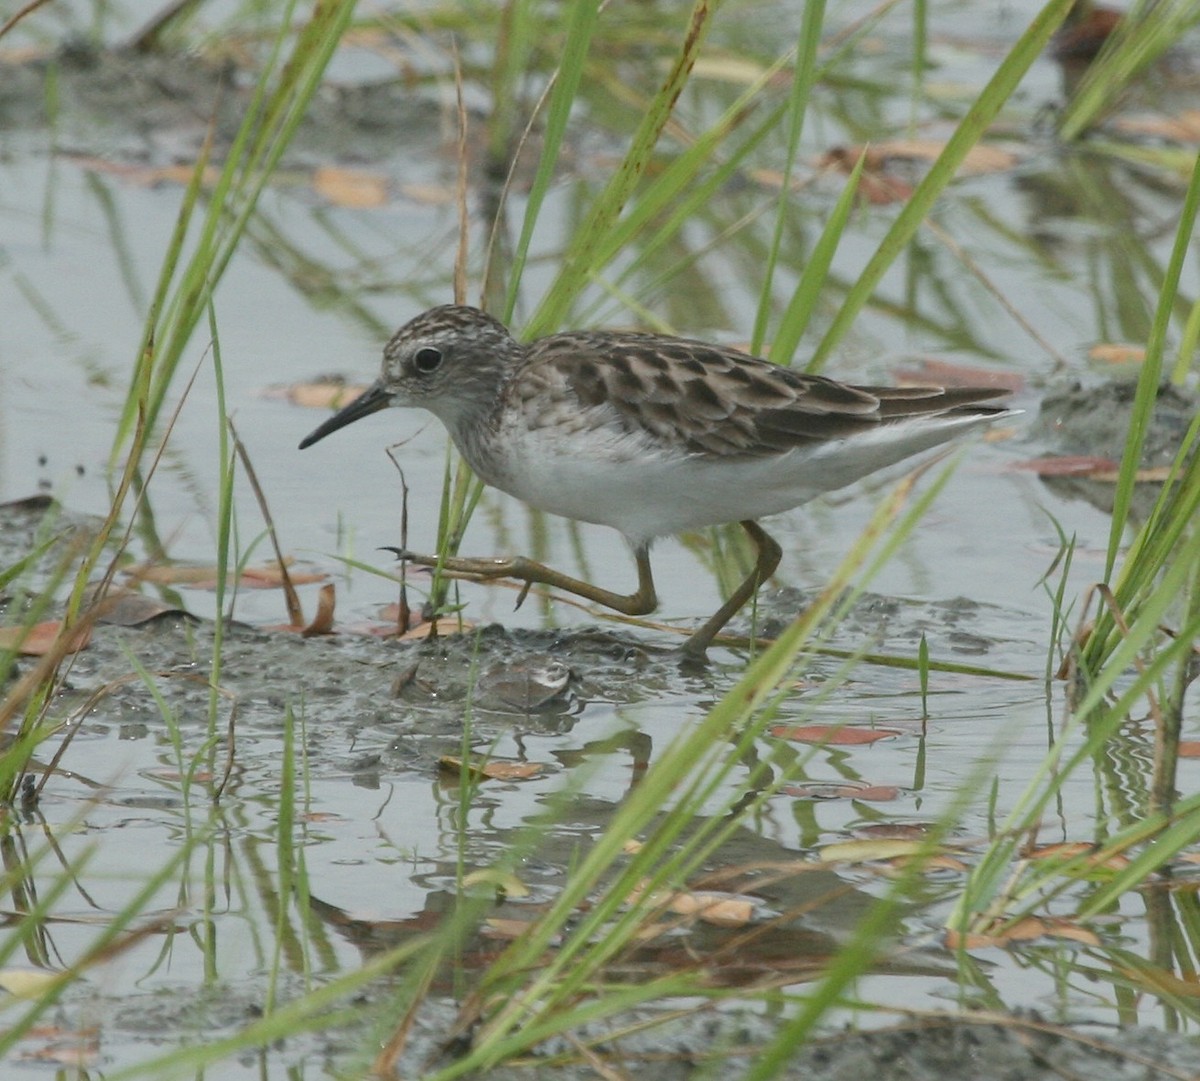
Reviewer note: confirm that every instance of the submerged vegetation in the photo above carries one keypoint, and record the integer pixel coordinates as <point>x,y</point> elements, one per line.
<point>683,134</point>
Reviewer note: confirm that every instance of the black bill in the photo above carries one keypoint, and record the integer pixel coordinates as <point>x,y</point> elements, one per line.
<point>373,399</point>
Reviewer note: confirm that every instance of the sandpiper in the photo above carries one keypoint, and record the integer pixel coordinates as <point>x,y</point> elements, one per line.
<point>649,434</point>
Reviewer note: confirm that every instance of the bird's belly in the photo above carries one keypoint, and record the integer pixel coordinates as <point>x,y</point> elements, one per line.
<point>640,491</point>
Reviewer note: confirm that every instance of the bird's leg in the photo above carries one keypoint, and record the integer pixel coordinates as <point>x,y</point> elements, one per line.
<point>642,600</point>
<point>769,554</point>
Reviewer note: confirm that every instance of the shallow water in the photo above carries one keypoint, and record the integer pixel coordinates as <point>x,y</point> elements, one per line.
<point>316,289</point>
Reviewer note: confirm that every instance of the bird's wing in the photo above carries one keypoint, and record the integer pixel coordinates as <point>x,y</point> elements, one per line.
<point>699,398</point>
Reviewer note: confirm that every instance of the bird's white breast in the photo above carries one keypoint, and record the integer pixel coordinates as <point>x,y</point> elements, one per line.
<point>594,471</point>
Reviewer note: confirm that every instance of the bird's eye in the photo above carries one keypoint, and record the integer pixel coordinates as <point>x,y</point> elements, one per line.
<point>427,360</point>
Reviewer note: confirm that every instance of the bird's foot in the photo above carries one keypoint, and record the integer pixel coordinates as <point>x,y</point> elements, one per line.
<point>459,566</point>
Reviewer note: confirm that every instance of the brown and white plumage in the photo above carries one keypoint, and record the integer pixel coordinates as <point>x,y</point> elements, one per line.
<point>647,433</point>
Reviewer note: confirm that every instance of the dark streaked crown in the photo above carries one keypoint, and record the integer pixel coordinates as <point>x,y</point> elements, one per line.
<point>452,360</point>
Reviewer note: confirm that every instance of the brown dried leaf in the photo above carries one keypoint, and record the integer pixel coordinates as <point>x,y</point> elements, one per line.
<point>870,850</point>
<point>1066,465</point>
<point>319,393</point>
<point>323,621</point>
<point>505,927</point>
<point>942,373</point>
<point>883,190</point>
<point>443,627</point>
<point>494,878</point>
<point>357,189</point>
<point>271,575</point>
<point>1184,128</point>
<point>831,734</point>
<point>718,909</point>
<point>905,831</point>
<point>76,1056</point>
<point>1163,982</point>
<point>166,773</point>
<point>1089,468</point>
<point>148,175</point>
<point>1070,850</point>
<point>981,159</point>
<point>1117,353</point>
<point>41,638</point>
<point>1025,930</point>
<point>728,69</point>
<point>874,186</point>
<point>27,982</point>
<point>266,576</point>
<point>428,194</point>
<point>493,768</point>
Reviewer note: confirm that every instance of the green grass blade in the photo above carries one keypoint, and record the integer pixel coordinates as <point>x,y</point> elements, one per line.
<point>969,131</point>
<point>1151,373</point>
<point>579,260</point>
<point>580,28</point>
<point>1148,29</point>
<point>803,80</point>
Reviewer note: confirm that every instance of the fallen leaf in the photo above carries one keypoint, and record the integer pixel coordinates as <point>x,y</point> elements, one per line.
<point>442,627</point>
<point>1071,850</point>
<point>323,621</point>
<point>322,393</point>
<point>273,574</point>
<point>907,831</point>
<point>18,55</point>
<point>943,373</point>
<point>504,881</point>
<point>1089,468</point>
<point>75,1056</point>
<point>266,576</point>
<point>733,69</point>
<point>428,194</point>
<point>165,773</point>
<point>1117,353</point>
<point>1064,928</point>
<point>41,638</point>
<point>493,768</point>
<point>883,190</point>
<point>870,850</point>
<point>1074,465</point>
<point>981,159</point>
<point>831,734</point>
<point>1163,982</point>
<point>505,927</point>
<point>27,982</point>
<point>718,909</point>
<point>1028,929</point>
<point>147,175</point>
<point>873,186</point>
<point>357,189</point>
<point>1184,128</point>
